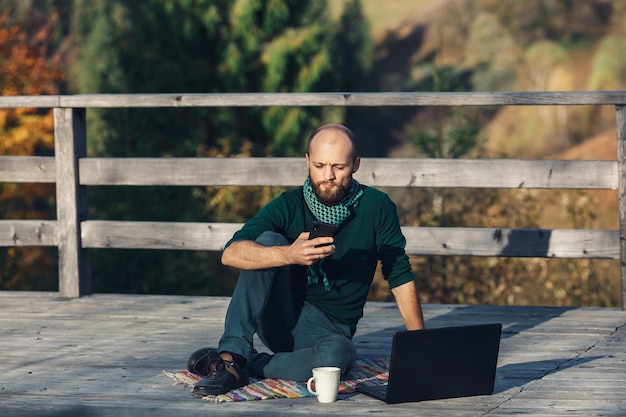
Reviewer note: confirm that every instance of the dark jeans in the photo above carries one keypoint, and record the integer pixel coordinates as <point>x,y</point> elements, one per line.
<point>301,338</point>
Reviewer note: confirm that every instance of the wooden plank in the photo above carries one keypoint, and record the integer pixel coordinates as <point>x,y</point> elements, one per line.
<point>28,233</point>
<point>69,145</point>
<point>381,172</point>
<point>420,240</point>
<point>543,243</point>
<point>193,171</point>
<point>29,101</point>
<point>156,235</point>
<point>27,169</point>
<point>620,120</point>
<point>489,173</point>
<point>345,99</point>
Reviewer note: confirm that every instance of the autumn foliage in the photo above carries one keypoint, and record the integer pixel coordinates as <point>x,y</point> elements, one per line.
<point>28,68</point>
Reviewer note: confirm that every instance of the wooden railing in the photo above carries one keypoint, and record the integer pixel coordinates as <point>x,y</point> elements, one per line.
<point>72,171</point>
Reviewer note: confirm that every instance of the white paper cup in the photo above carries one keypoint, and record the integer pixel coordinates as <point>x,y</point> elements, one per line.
<point>326,383</point>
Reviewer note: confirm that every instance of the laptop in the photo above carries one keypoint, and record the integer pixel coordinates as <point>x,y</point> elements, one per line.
<point>440,363</point>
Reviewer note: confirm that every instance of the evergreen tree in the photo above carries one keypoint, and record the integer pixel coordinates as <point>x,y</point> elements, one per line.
<point>195,46</point>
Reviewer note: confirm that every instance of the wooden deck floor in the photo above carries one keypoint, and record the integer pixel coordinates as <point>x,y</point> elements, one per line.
<point>104,355</point>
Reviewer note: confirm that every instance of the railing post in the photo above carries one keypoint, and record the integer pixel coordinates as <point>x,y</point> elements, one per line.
<point>620,118</point>
<point>70,144</point>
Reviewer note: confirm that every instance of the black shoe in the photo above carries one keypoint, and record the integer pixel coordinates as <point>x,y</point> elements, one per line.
<point>199,360</point>
<point>224,376</point>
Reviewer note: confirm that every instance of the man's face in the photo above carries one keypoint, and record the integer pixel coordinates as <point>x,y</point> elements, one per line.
<point>331,165</point>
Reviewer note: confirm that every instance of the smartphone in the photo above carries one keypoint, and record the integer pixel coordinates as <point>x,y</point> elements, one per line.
<point>320,229</point>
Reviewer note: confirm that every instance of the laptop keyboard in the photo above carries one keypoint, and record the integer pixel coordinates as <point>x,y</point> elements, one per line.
<point>376,390</point>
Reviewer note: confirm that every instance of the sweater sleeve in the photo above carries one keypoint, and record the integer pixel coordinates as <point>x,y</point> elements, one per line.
<point>391,243</point>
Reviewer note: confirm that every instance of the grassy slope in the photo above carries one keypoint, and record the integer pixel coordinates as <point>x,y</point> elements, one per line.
<point>389,15</point>
<point>398,17</point>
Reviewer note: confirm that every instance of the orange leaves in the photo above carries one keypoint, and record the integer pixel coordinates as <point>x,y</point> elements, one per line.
<point>28,66</point>
<point>24,131</point>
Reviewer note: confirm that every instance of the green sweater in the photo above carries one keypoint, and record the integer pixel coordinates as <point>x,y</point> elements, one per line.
<point>371,233</point>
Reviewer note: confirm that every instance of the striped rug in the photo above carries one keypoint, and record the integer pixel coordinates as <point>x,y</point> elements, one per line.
<point>373,370</point>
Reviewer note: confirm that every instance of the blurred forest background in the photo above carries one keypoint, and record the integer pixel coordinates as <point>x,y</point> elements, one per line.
<point>226,46</point>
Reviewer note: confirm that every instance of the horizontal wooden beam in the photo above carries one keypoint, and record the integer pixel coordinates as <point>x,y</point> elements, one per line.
<point>346,99</point>
<point>420,240</point>
<point>319,99</point>
<point>559,243</point>
<point>193,171</point>
<point>381,172</point>
<point>535,243</point>
<point>30,101</point>
<point>28,233</point>
<point>27,169</point>
<point>156,235</point>
<point>474,173</point>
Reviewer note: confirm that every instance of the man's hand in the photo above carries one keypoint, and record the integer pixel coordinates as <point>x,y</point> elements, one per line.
<point>249,255</point>
<point>307,252</point>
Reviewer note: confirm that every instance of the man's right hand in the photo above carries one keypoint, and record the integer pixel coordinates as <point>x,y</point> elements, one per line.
<point>249,255</point>
<point>308,251</point>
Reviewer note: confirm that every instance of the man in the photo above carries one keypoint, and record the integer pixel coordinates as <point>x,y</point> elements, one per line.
<point>304,297</point>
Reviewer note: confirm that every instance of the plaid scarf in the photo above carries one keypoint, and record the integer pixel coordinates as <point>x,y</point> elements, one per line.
<point>335,214</point>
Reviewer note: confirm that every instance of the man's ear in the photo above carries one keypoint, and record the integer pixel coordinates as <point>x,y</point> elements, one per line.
<point>357,164</point>
<point>308,161</point>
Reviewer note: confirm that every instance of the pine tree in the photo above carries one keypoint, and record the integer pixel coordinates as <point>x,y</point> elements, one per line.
<point>195,46</point>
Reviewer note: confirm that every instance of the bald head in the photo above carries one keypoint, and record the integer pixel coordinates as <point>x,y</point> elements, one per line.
<point>331,160</point>
<point>339,128</point>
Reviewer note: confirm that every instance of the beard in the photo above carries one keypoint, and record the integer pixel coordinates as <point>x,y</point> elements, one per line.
<point>329,197</point>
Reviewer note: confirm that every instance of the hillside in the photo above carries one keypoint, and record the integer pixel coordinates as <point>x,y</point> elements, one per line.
<point>463,45</point>
<point>484,45</point>
<point>445,45</point>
